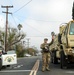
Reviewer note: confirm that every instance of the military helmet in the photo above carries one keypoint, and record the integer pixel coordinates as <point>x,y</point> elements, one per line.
<point>45,39</point>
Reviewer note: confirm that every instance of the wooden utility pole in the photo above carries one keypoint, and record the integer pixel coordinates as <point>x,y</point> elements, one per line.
<point>6,23</point>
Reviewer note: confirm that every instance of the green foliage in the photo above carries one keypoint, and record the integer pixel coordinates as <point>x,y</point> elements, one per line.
<point>19,50</point>
<point>19,26</point>
<point>2,37</point>
<point>31,51</point>
<point>13,37</point>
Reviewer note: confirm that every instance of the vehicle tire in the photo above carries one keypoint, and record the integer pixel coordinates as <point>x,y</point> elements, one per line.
<point>54,58</point>
<point>8,65</point>
<point>63,62</point>
<point>0,64</point>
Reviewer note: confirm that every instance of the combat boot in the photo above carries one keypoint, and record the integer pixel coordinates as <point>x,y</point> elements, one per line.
<point>47,69</point>
<point>43,69</point>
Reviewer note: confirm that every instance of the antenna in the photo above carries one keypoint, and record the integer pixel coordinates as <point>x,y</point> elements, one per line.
<point>73,11</point>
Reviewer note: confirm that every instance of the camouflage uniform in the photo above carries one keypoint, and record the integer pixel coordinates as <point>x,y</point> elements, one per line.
<point>45,56</point>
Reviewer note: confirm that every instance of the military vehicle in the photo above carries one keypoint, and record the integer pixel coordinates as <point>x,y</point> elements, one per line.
<point>63,46</point>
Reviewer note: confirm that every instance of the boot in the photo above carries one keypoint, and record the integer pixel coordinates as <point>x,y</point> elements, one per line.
<point>47,69</point>
<point>43,69</point>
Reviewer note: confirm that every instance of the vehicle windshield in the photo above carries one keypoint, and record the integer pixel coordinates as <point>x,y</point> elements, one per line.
<point>11,52</point>
<point>72,28</point>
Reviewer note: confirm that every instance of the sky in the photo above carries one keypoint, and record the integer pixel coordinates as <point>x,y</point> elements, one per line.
<point>38,18</point>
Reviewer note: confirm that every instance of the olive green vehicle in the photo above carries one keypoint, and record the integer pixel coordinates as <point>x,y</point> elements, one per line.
<point>63,46</point>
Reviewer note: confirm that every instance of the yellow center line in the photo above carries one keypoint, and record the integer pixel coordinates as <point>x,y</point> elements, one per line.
<point>32,71</point>
<point>35,68</point>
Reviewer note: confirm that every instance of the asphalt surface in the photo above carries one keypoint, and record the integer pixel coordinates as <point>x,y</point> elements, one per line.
<point>25,65</point>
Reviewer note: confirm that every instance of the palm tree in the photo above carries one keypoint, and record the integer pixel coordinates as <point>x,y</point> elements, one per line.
<point>19,28</point>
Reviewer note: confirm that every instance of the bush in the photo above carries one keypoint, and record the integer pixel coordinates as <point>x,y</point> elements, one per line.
<point>20,54</point>
<point>19,50</point>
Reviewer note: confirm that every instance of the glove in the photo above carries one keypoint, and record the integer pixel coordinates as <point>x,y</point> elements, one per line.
<point>46,48</point>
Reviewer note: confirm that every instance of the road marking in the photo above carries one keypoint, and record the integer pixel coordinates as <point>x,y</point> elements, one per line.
<point>9,71</point>
<point>71,72</point>
<point>18,66</point>
<point>35,68</point>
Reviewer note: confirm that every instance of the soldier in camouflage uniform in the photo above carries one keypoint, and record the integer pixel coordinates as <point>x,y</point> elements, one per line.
<point>45,55</point>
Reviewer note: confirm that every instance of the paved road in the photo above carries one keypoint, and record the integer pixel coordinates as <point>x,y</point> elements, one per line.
<point>26,64</point>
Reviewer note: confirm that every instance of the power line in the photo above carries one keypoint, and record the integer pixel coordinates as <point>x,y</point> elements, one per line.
<point>14,19</point>
<point>23,6</point>
<point>34,29</point>
<point>38,19</point>
<point>19,19</point>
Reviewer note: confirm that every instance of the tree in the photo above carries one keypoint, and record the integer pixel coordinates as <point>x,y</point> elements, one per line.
<point>2,37</point>
<point>13,36</point>
<point>31,51</point>
<point>19,28</point>
<point>20,50</point>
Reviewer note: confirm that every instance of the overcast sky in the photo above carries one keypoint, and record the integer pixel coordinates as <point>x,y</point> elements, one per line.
<point>39,17</point>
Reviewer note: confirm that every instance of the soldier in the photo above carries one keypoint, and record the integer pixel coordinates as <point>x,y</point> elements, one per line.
<point>45,55</point>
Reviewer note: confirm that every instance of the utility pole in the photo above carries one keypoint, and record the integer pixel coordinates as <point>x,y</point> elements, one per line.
<point>6,23</point>
<point>28,42</point>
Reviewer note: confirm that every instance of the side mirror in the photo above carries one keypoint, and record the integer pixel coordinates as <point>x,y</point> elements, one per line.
<point>4,53</point>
